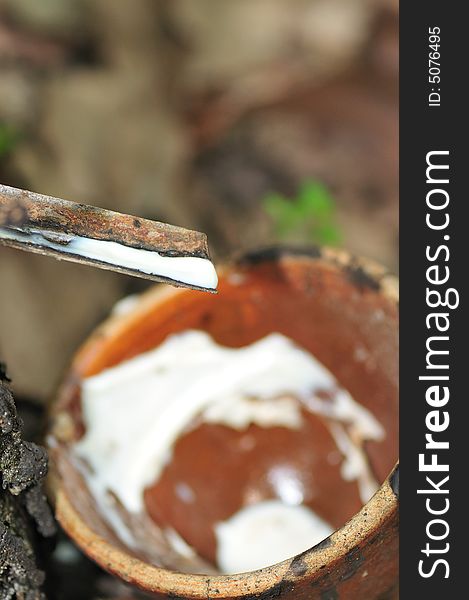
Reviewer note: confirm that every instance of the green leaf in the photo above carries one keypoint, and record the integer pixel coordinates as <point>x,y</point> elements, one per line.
<point>308,216</point>
<point>282,212</point>
<point>328,235</point>
<point>8,139</point>
<point>315,201</point>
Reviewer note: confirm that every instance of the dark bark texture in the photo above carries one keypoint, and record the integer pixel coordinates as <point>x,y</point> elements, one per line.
<point>24,512</point>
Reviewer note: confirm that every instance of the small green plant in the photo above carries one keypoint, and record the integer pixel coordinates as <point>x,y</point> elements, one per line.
<point>8,139</point>
<point>309,216</point>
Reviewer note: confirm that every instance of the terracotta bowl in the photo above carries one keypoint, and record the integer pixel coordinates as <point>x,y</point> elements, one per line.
<point>341,309</point>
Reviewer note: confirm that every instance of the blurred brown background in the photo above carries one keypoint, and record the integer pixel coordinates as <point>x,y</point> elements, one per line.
<point>189,112</point>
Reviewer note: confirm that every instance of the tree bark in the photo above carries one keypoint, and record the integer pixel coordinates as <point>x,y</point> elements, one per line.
<point>24,511</point>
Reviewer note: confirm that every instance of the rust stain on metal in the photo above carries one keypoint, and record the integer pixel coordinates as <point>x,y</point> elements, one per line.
<point>60,221</point>
<point>54,214</point>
